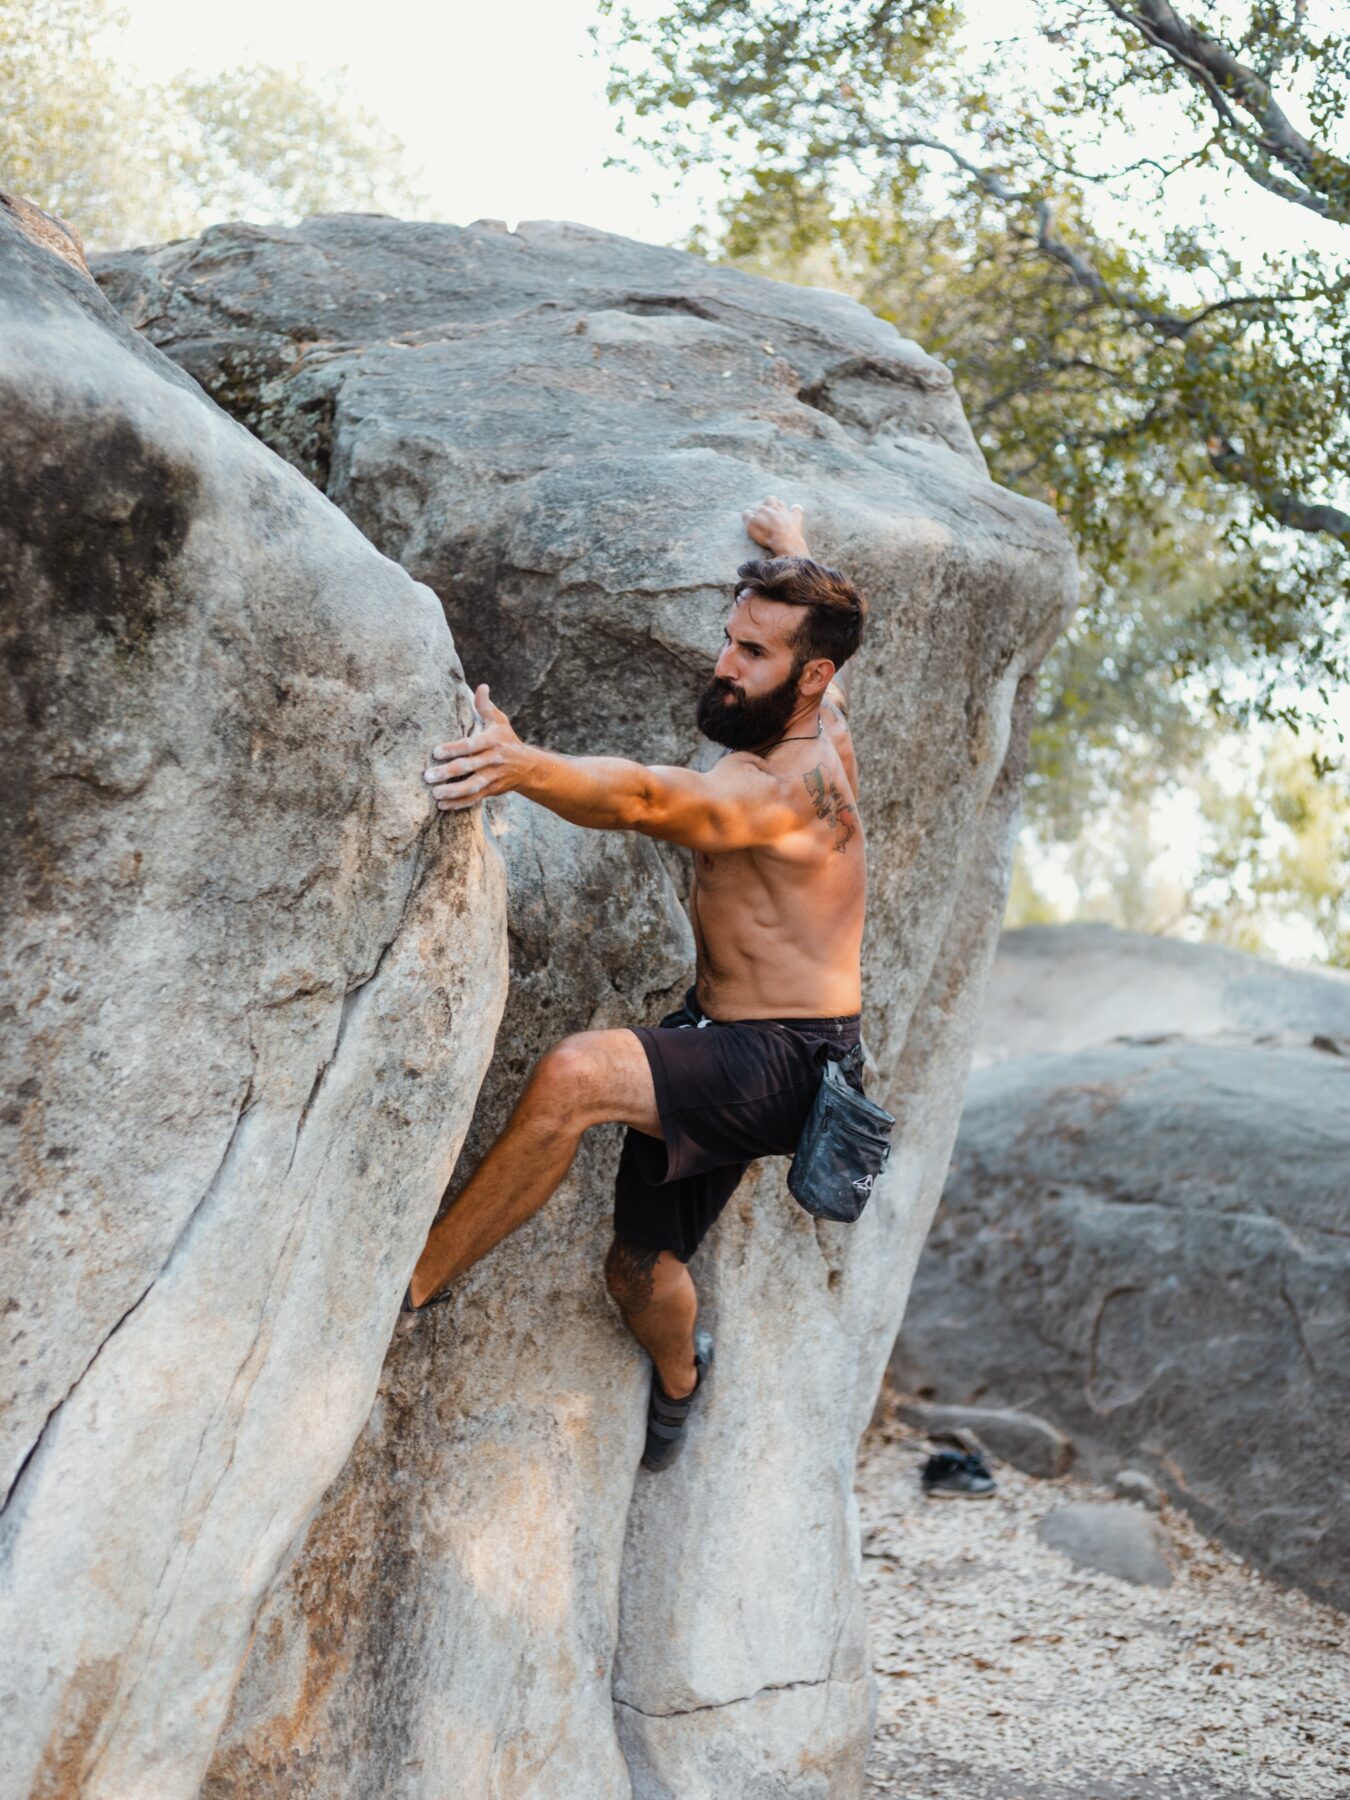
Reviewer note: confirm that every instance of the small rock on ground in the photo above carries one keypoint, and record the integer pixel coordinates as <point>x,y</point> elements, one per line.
<point>1115,1538</point>
<point>1133,1484</point>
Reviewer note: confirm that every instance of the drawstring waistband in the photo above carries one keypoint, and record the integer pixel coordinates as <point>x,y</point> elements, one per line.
<point>813,1027</point>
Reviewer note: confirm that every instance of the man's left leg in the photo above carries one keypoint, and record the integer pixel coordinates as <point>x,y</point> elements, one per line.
<point>658,1225</point>
<point>656,1296</point>
<point>591,1078</point>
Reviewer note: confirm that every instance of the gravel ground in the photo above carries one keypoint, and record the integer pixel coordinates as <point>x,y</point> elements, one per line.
<point>1004,1673</point>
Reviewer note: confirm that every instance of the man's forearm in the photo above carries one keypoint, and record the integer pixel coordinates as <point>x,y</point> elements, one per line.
<point>606,793</point>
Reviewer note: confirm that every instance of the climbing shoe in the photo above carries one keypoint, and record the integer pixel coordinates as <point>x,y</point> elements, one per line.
<point>667,1418</point>
<point>957,1475</point>
<point>409,1314</point>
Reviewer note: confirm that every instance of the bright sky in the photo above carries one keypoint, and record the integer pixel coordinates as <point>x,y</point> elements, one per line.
<point>503,112</point>
<point>502,106</point>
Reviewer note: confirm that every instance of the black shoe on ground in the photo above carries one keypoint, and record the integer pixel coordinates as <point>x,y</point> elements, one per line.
<point>667,1418</point>
<point>957,1475</point>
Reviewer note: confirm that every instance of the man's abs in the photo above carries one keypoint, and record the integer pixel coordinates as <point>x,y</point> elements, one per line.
<point>778,941</point>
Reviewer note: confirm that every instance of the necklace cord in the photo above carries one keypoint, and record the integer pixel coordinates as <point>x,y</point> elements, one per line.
<point>797,737</point>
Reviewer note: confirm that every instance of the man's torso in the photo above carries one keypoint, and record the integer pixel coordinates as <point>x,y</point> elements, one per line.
<point>778,930</point>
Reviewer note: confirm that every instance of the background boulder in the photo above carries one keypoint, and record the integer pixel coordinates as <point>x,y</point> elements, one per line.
<point>557,429</point>
<point>1060,988</point>
<point>250,984</point>
<point>1144,1231</point>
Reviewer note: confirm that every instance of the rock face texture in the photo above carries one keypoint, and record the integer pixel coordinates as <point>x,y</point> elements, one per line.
<point>44,229</point>
<point>1145,1234</point>
<point>250,984</point>
<point>556,430</point>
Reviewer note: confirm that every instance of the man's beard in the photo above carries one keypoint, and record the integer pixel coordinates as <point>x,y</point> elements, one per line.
<point>741,723</point>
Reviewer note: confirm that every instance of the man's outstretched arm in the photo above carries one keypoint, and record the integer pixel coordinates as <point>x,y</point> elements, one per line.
<point>781,530</point>
<point>734,807</point>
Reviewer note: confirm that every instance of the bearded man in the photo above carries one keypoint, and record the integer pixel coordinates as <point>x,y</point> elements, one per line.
<point>776,902</point>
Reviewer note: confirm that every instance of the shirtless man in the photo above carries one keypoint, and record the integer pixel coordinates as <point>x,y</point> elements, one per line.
<point>777,901</point>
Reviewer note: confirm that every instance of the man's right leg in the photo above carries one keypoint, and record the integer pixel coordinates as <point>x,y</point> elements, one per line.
<point>658,1224</point>
<point>592,1078</point>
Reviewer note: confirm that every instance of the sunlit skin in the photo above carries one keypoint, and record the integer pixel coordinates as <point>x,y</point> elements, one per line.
<point>776,902</point>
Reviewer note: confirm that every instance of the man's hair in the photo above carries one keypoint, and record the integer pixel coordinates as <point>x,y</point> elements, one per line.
<point>835,610</point>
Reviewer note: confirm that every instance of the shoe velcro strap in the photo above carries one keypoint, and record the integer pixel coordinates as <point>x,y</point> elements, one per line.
<point>674,1412</point>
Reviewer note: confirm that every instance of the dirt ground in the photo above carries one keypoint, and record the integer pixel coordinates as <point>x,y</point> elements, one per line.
<point>1005,1673</point>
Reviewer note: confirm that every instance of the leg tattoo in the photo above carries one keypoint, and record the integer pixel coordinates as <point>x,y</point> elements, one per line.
<point>628,1272</point>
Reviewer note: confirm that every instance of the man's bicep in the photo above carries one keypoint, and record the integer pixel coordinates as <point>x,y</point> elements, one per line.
<point>842,739</point>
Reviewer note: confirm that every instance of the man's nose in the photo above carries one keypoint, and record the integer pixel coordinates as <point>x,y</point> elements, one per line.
<point>726,664</point>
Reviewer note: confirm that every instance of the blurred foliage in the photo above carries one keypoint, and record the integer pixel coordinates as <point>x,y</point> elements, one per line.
<point>129,162</point>
<point>1116,715</point>
<point>1027,904</point>
<point>1147,382</point>
<point>1276,848</point>
<point>1271,844</point>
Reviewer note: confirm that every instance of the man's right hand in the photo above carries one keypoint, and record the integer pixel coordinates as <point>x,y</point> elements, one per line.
<point>493,761</point>
<point>777,526</point>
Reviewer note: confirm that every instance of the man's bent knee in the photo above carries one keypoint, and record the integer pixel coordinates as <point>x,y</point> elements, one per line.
<point>592,1077</point>
<point>636,1275</point>
<point>564,1078</point>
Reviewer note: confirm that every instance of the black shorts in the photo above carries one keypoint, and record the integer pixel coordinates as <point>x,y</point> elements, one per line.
<point>727,1092</point>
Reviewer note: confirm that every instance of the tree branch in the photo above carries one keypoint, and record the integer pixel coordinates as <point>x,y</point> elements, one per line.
<point>1287,508</point>
<point>1321,180</point>
<point>993,184</point>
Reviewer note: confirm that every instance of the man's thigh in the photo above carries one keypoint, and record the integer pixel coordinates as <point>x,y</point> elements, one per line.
<point>609,1073</point>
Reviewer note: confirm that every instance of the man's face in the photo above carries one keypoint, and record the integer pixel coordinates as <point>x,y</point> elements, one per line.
<point>753,691</point>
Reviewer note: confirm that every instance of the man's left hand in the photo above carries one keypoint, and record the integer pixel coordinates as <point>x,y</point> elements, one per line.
<point>777,526</point>
<point>492,761</point>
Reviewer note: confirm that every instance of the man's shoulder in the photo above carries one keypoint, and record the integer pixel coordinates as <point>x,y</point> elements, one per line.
<point>820,794</point>
<point>778,794</point>
<point>841,740</point>
<point>753,767</point>
<point>789,775</point>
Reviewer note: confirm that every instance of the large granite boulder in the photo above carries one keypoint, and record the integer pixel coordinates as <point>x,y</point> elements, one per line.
<point>250,985</point>
<point>1145,1234</point>
<point>556,430</point>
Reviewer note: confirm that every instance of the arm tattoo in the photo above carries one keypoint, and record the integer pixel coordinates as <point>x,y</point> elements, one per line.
<point>840,814</point>
<point>628,1272</point>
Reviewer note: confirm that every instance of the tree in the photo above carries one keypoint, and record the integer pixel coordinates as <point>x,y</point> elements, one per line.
<point>1116,715</point>
<point>126,162</point>
<point>1140,378</point>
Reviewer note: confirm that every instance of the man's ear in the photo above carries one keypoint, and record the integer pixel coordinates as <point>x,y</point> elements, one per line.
<point>815,677</point>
